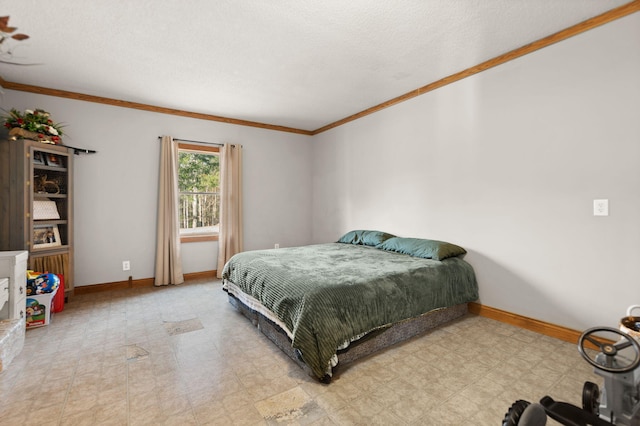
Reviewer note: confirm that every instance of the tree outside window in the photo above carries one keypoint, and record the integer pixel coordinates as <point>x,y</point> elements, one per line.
<point>199,186</point>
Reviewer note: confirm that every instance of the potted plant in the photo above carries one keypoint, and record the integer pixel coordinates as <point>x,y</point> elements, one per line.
<point>33,124</point>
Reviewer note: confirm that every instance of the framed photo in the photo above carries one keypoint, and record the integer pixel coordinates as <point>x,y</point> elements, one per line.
<point>46,236</point>
<point>38,157</point>
<point>54,160</point>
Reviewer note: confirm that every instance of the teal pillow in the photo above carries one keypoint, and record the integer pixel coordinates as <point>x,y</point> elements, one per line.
<point>364,237</point>
<point>418,247</point>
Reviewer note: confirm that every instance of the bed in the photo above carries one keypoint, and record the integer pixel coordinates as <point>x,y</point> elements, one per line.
<point>331,303</point>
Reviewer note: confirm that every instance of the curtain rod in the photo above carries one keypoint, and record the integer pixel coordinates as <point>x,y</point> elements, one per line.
<point>201,142</point>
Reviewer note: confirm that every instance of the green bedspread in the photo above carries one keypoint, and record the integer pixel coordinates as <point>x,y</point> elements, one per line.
<point>326,294</point>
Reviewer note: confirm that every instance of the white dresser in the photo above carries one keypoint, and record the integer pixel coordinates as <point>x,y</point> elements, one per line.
<point>13,266</point>
<point>13,294</point>
<point>4,293</point>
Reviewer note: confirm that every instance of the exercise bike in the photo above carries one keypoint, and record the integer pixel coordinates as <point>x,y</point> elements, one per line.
<point>618,403</point>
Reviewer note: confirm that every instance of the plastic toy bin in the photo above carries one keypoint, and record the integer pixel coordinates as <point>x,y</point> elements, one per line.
<point>38,310</point>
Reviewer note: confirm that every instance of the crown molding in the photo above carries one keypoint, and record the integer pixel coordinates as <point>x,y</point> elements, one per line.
<point>580,28</point>
<point>604,18</point>
<point>145,107</point>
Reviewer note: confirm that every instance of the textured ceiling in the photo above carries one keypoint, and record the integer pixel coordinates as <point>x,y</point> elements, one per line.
<point>295,63</point>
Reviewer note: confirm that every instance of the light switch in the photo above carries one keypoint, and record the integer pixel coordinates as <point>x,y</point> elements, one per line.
<point>601,207</point>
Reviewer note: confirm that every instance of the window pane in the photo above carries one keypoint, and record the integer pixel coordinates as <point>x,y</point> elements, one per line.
<point>198,180</point>
<point>198,172</point>
<point>199,212</point>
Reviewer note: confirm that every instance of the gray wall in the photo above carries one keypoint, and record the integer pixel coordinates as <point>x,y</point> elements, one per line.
<point>116,189</point>
<point>507,164</point>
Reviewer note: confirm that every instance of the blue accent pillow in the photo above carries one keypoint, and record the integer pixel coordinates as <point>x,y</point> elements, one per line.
<point>364,237</point>
<point>418,247</point>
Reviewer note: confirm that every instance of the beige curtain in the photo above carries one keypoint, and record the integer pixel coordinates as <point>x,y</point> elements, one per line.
<point>56,264</point>
<point>168,260</point>
<point>230,239</point>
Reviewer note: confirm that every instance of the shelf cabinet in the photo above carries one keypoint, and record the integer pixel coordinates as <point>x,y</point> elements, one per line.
<point>36,205</point>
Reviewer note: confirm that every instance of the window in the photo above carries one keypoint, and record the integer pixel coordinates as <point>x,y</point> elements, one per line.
<point>199,183</point>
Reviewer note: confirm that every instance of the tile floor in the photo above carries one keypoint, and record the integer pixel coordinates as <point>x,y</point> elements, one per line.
<point>182,355</point>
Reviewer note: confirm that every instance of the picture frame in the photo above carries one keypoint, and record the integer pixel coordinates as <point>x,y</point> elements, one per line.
<point>46,236</point>
<point>54,160</point>
<point>39,158</point>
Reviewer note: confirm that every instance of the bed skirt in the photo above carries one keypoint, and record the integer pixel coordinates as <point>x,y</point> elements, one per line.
<point>367,345</point>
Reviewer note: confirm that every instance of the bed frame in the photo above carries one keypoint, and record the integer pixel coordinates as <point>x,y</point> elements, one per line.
<point>367,345</point>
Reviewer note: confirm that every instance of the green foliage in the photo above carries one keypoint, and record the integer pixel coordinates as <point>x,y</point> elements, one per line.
<point>37,121</point>
<point>198,172</point>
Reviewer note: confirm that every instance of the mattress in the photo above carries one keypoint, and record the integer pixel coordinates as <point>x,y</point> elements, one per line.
<point>325,296</point>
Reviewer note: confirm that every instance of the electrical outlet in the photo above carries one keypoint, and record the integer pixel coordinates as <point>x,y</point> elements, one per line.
<point>126,265</point>
<point>276,246</point>
<point>601,207</point>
